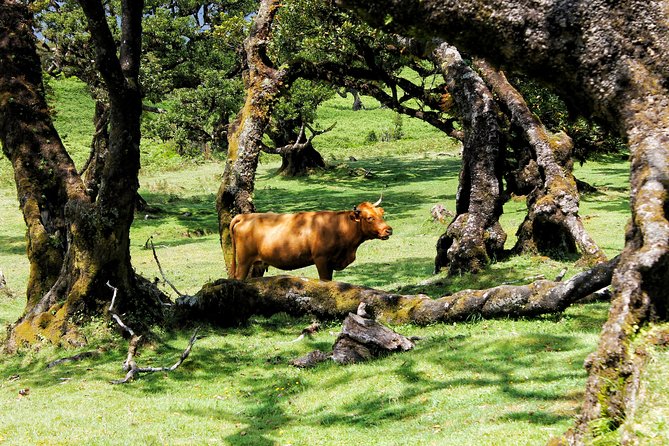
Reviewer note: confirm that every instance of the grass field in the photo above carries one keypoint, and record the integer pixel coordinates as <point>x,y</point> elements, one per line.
<point>500,382</point>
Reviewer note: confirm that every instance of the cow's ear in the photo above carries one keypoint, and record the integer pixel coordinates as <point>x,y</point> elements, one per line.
<point>355,215</point>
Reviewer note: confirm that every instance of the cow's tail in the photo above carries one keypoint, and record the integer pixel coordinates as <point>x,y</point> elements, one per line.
<point>233,264</point>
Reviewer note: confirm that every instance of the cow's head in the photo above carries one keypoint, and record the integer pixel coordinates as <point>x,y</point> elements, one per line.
<point>370,217</point>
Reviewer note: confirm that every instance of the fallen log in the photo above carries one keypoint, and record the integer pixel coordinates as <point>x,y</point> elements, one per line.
<point>230,302</point>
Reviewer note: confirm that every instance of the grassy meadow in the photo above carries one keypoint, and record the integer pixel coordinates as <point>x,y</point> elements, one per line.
<point>481,382</point>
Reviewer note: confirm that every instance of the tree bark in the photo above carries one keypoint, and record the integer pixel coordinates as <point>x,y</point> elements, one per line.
<point>75,243</point>
<point>362,338</point>
<point>229,302</point>
<point>44,174</point>
<point>552,225</point>
<point>475,236</point>
<point>264,83</point>
<point>610,59</point>
<point>94,166</point>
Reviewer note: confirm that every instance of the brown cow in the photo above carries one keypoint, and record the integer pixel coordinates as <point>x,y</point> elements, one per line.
<point>328,239</point>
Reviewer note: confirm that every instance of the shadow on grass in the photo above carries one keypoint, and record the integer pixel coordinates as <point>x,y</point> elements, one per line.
<point>517,367</point>
<point>13,244</point>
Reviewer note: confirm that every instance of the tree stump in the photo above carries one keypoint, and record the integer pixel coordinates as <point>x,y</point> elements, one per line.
<point>361,339</point>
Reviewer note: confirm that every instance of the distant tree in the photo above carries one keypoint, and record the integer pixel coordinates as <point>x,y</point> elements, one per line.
<point>290,127</point>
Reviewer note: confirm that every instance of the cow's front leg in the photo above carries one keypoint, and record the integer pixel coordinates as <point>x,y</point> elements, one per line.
<point>324,269</point>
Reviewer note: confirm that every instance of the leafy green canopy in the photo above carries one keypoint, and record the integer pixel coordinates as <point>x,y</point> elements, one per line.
<point>190,62</point>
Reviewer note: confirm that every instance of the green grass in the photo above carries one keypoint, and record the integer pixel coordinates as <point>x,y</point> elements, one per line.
<point>493,382</point>
<point>500,382</point>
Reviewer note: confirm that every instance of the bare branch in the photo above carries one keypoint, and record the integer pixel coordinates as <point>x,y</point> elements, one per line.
<point>129,365</point>
<point>160,268</point>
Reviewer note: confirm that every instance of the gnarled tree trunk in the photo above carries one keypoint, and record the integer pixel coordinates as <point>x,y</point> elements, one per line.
<point>611,59</point>
<point>552,224</point>
<point>44,173</point>
<point>475,235</point>
<point>263,83</point>
<point>75,243</point>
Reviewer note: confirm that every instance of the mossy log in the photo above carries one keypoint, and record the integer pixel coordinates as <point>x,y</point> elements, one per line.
<point>230,302</point>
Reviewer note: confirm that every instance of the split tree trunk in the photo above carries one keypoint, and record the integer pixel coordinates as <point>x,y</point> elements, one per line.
<point>475,235</point>
<point>264,84</point>
<point>552,225</point>
<point>75,244</point>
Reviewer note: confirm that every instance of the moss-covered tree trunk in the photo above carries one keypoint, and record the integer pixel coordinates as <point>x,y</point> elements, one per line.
<point>640,281</point>
<point>263,84</point>
<point>44,174</point>
<point>475,235</point>
<point>553,225</point>
<point>76,244</point>
<point>610,59</point>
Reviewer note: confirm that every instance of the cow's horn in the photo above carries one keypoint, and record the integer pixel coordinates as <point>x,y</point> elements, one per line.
<point>379,201</point>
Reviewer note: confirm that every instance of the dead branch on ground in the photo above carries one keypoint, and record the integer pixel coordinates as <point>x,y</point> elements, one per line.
<point>130,365</point>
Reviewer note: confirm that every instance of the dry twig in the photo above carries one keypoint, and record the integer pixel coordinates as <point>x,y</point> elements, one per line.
<point>160,268</point>
<point>129,365</point>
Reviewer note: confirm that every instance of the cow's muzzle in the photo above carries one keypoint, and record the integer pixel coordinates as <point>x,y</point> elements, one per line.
<point>387,233</point>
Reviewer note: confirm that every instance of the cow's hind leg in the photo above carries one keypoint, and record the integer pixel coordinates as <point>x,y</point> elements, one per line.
<point>242,269</point>
<point>258,269</point>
